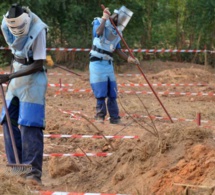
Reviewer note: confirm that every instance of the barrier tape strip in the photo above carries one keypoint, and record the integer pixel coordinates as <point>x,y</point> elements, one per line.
<point>72,115</point>
<point>69,193</point>
<point>168,93</point>
<point>143,84</point>
<point>152,117</point>
<point>161,84</point>
<point>126,50</point>
<point>141,92</point>
<point>88,136</point>
<point>51,85</point>
<point>64,74</point>
<point>60,85</point>
<point>135,84</point>
<point>99,154</point>
<point>166,118</point>
<point>91,136</point>
<point>166,50</point>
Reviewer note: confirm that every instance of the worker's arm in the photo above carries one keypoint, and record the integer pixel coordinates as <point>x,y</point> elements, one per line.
<point>36,66</point>
<point>121,54</point>
<point>127,58</point>
<point>100,28</point>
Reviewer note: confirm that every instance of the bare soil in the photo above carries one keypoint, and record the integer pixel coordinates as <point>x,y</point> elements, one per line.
<point>166,158</point>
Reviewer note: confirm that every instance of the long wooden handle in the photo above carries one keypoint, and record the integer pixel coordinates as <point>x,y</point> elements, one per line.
<point>9,126</point>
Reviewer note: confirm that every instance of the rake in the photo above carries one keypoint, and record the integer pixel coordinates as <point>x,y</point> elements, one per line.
<point>15,169</point>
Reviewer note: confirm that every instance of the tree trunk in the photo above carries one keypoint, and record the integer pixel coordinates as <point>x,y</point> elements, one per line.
<point>198,42</point>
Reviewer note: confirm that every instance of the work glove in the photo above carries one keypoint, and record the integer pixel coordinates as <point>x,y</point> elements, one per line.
<point>49,61</point>
<point>133,60</point>
<point>4,78</point>
<point>106,14</point>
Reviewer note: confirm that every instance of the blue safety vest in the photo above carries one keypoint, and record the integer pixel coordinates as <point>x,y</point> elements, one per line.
<point>107,41</point>
<point>29,89</point>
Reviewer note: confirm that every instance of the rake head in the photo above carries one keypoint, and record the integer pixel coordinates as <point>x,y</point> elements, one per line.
<point>18,169</point>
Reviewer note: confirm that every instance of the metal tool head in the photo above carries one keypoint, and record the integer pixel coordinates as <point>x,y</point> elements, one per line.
<point>18,169</point>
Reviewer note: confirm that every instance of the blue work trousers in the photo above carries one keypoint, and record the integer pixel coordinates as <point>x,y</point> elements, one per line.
<point>112,106</point>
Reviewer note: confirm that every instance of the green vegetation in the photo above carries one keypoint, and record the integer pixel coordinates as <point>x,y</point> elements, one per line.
<point>156,24</point>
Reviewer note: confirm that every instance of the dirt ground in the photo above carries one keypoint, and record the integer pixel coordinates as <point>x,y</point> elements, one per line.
<point>164,158</point>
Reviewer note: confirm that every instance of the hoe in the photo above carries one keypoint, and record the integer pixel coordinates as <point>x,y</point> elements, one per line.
<point>15,169</point>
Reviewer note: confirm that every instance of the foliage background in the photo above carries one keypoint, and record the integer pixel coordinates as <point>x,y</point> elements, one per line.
<point>156,24</point>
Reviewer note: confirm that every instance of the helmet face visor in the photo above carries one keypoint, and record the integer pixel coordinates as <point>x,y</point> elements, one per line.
<point>18,26</point>
<point>124,17</point>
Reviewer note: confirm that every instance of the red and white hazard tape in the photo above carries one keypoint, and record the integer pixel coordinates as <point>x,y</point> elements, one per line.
<point>166,118</point>
<point>151,116</point>
<point>126,50</point>
<point>99,154</point>
<point>60,85</point>
<point>166,50</point>
<point>168,93</point>
<point>143,92</point>
<point>135,50</point>
<point>161,84</point>
<point>52,85</point>
<point>129,75</point>
<point>51,74</point>
<point>72,114</point>
<point>77,90</point>
<point>73,90</point>
<point>69,193</point>
<point>60,74</point>
<point>89,136</point>
<point>135,84</point>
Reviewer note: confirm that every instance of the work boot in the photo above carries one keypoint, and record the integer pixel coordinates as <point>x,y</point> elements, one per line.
<point>99,119</point>
<point>115,120</point>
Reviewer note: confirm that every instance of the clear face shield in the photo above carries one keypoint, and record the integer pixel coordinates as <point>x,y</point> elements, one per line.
<point>18,26</point>
<point>124,16</point>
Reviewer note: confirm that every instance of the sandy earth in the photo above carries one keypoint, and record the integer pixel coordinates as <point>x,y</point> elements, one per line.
<point>164,158</point>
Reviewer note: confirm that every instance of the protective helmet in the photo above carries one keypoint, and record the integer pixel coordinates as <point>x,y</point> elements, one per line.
<point>17,20</point>
<point>124,16</point>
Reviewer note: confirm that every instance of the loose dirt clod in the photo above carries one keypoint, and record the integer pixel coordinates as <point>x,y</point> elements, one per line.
<point>59,167</point>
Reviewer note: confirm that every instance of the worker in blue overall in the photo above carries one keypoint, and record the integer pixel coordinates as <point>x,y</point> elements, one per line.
<point>106,41</point>
<point>25,34</point>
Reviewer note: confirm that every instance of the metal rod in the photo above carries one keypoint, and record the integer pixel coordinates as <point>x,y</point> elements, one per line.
<point>131,54</point>
<point>9,126</point>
